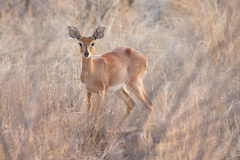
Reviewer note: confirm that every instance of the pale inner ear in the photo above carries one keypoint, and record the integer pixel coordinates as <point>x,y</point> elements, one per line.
<point>98,33</point>
<point>74,33</point>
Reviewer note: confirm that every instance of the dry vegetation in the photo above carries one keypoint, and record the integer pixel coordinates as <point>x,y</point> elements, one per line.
<point>193,79</point>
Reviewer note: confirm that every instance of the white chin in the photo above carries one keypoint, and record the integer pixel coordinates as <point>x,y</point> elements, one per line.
<point>86,57</point>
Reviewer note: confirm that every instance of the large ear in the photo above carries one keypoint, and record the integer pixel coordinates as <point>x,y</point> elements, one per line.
<point>74,33</point>
<point>98,33</point>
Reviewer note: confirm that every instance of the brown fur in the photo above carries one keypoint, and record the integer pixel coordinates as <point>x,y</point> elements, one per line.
<point>113,69</point>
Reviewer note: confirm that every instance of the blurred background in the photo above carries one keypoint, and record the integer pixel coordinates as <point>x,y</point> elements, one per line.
<point>193,78</point>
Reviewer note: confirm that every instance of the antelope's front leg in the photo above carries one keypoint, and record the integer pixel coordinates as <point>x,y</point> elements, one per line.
<point>89,98</point>
<point>101,95</point>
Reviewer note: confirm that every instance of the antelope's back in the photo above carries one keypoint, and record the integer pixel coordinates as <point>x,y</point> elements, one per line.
<point>125,64</point>
<point>127,56</point>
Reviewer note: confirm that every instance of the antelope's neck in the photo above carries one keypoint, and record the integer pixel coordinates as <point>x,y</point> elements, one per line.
<point>87,69</point>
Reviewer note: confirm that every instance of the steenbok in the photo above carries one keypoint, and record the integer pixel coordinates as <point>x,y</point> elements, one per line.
<point>111,71</point>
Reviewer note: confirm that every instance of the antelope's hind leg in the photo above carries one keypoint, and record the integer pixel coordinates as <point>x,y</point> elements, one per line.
<point>128,101</point>
<point>138,90</point>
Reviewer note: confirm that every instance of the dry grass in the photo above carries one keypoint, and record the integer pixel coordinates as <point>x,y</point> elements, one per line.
<point>193,79</point>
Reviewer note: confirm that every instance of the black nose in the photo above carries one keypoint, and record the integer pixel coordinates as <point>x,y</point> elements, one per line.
<point>86,54</point>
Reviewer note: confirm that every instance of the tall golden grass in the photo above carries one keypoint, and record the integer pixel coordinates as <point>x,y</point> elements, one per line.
<point>193,79</point>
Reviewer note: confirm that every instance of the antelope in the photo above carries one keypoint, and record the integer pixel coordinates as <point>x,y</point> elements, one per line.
<point>111,71</point>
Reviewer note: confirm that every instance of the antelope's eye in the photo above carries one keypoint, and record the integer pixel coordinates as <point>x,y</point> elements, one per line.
<point>80,44</point>
<point>92,44</point>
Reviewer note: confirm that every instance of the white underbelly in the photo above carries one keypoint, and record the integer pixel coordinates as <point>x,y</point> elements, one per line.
<point>115,87</point>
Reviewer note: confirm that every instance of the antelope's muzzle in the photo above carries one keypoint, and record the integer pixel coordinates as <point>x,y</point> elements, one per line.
<point>86,54</point>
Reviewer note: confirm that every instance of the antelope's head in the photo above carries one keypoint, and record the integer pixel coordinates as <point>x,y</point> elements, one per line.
<point>86,43</point>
